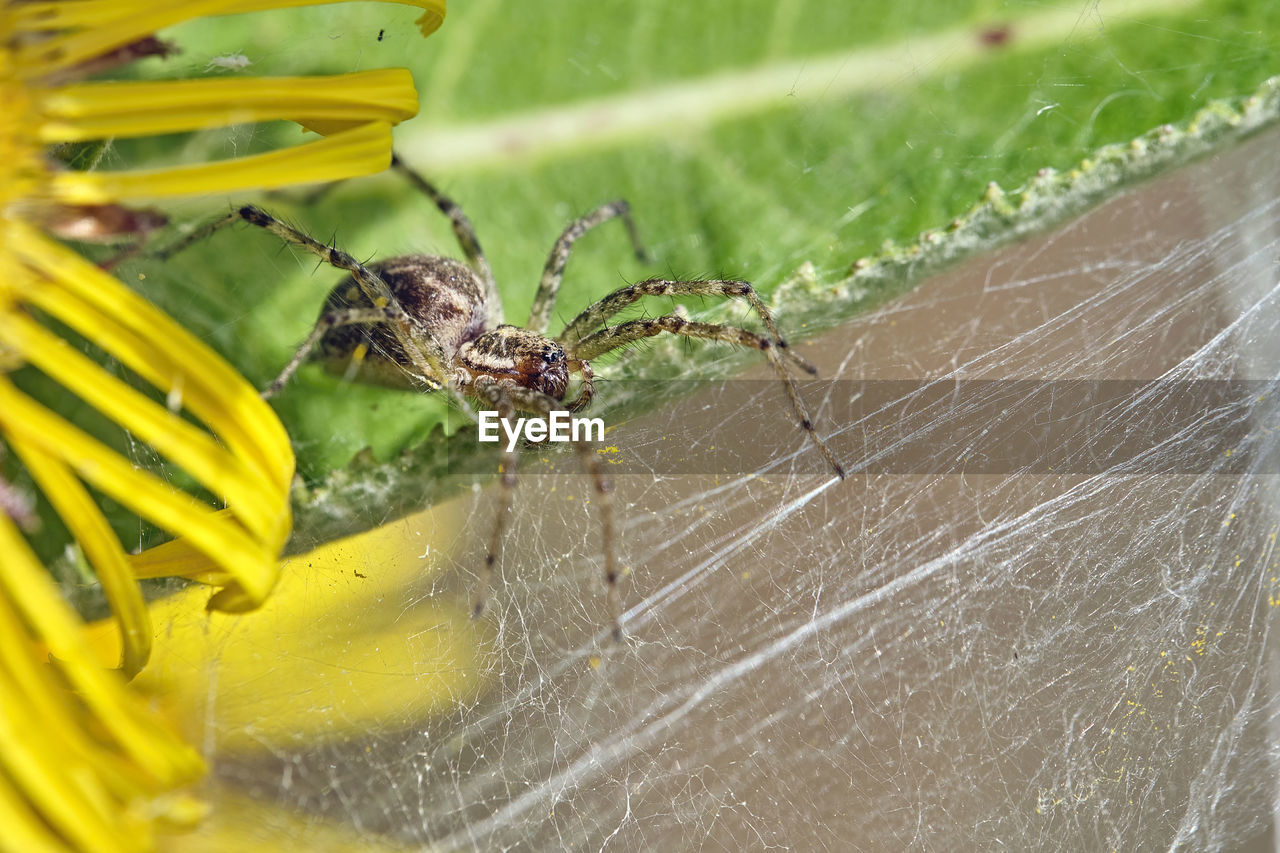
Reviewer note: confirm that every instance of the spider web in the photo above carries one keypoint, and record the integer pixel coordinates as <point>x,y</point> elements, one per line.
<point>1039,658</point>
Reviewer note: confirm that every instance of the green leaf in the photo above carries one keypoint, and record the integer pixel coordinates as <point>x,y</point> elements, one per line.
<point>753,140</point>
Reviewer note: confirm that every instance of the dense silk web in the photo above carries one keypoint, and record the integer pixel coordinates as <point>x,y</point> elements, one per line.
<point>1077,659</point>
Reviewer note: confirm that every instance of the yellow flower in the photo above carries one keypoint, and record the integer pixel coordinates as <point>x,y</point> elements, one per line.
<point>85,760</point>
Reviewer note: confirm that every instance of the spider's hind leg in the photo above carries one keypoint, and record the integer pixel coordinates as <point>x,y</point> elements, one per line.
<point>463,230</point>
<point>329,320</point>
<point>425,355</point>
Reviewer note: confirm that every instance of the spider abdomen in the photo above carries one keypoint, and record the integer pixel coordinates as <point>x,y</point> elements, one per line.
<point>443,297</point>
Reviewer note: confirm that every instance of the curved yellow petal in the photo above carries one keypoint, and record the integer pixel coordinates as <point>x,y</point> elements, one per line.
<point>75,765</point>
<point>23,827</point>
<point>187,445</point>
<point>243,822</point>
<point>84,762</point>
<point>362,150</point>
<point>177,558</point>
<point>60,15</point>
<point>155,347</point>
<point>34,761</point>
<point>84,519</point>
<point>249,560</point>
<point>29,597</point>
<point>100,110</point>
<point>251,468</point>
<point>433,11</point>
<point>68,45</point>
<point>341,649</point>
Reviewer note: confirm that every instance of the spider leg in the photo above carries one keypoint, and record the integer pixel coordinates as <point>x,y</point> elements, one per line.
<point>553,272</point>
<point>463,230</point>
<point>588,388</point>
<point>204,231</point>
<point>497,396</point>
<point>538,403</point>
<point>596,314</point>
<point>328,320</point>
<point>128,253</point>
<point>427,358</point>
<point>618,336</point>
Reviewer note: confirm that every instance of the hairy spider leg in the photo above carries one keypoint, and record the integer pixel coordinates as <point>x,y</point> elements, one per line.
<point>618,336</point>
<point>528,400</point>
<point>597,313</point>
<point>329,320</point>
<point>203,232</point>
<point>426,357</point>
<point>464,231</point>
<point>545,299</point>
<point>587,390</point>
<point>495,393</point>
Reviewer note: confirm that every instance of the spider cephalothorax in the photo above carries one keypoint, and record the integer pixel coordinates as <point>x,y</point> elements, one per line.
<point>425,322</point>
<point>527,358</point>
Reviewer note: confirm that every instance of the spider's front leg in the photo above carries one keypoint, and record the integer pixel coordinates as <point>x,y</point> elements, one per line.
<point>596,314</point>
<point>587,390</point>
<point>619,336</point>
<point>496,394</point>
<point>535,402</point>
<point>552,274</point>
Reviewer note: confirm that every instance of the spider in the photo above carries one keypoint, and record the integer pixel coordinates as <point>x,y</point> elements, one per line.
<point>425,322</point>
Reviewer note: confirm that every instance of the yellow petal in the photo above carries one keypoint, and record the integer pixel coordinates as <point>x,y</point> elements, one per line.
<point>35,764</point>
<point>71,44</point>
<point>179,440</point>
<point>101,110</point>
<point>125,720</point>
<point>433,11</point>
<point>24,829</point>
<point>152,345</point>
<point>76,766</point>
<point>91,530</point>
<point>340,650</point>
<point>251,469</point>
<point>252,562</point>
<point>60,15</point>
<point>178,559</point>
<point>242,822</point>
<point>359,151</point>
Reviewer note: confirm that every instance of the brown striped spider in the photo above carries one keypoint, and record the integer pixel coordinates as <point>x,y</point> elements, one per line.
<point>428,323</point>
